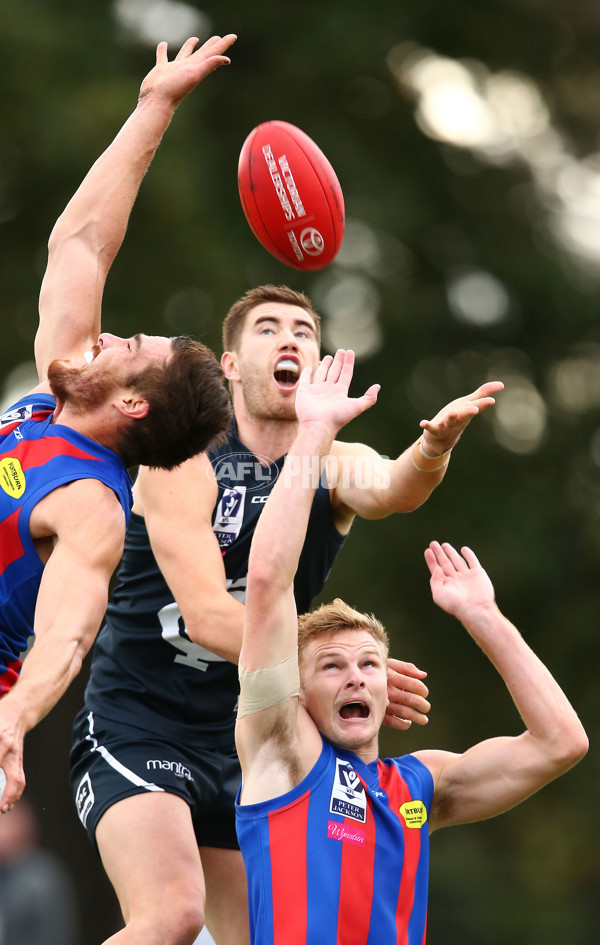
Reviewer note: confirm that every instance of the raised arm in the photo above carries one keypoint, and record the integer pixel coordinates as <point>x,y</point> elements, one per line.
<point>270,626</point>
<point>89,526</point>
<point>368,485</point>
<point>88,234</point>
<point>177,507</point>
<point>498,773</point>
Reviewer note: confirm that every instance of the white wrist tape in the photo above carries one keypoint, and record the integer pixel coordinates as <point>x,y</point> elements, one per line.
<point>267,687</point>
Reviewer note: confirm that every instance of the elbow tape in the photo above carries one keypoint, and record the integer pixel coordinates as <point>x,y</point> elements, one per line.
<point>267,687</point>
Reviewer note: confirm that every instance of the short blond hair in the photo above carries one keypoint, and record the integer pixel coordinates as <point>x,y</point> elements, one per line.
<point>335,617</point>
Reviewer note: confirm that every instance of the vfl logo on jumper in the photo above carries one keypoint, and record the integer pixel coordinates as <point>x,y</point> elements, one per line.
<point>12,477</point>
<point>84,799</point>
<point>414,814</point>
<point>179,770</point>
<point>348,796</point>
<point>17,415</point>
<point>249,471</point>
<point>229,516</point>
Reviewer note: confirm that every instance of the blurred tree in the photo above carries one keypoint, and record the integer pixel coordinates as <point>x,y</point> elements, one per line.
<point>466,140</point>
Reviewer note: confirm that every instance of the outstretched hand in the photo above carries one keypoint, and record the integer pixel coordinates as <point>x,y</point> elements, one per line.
<point>459,585</point>
<point>176,79</point>
<point>444,431</point>
<point>324,399</point>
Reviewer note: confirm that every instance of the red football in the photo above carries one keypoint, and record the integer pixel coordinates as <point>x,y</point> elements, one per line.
<point>291,196</point>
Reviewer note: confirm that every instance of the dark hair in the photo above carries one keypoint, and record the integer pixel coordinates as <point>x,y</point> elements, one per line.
<point>236,316</point>
<point>189,407</point>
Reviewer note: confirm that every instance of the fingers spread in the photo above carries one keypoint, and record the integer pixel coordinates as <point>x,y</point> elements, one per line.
<point>188,47</point>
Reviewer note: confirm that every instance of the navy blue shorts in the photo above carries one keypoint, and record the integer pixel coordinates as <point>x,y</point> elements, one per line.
<point>110,761</point>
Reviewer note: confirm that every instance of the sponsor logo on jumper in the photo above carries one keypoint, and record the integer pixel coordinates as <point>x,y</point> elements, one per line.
<point>179,770</point>
<point>348,796</point>
<point>12,477</point>
<point>414,814</point>
<point>355,835</point>
<point>250,470</point>
<point>17,415</point>
<point>84,798</point>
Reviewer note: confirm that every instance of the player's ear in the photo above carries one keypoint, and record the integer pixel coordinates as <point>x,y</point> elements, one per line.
<point>229,363</point>
<point>131,405</point>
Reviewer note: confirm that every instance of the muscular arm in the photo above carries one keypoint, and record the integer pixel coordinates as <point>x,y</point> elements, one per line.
<point>277,745</point>
<point>177,508</point>
<point>366,484</point>
<point>89,233</point>
<point>500,772</point>
<point>89,526</point>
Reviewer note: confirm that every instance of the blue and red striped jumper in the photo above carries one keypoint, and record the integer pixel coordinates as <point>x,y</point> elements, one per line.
<point>36,457</point>
<point>343,858</point>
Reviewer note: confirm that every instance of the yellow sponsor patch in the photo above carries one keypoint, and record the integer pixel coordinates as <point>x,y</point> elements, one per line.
<point>414,813</point>
<point>12,477</point>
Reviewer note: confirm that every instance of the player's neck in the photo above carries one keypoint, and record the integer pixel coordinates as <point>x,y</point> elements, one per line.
<point>368,753</point>
<point>265,437</point>
<point>91,423</point>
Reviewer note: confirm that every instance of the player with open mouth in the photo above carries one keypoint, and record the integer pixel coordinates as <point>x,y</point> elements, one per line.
<point>287,372</point>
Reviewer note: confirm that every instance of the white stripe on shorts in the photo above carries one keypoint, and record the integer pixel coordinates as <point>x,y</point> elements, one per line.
<point>112,761</point>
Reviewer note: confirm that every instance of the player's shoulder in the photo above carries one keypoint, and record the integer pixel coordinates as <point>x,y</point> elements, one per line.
<point>434,759</point>
<point>80,507</point>
<point>87,495</point>
<point>191,483</point>
<point>36,405</point>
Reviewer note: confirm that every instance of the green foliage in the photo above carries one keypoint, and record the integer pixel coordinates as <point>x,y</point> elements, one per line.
<point>70,76</point>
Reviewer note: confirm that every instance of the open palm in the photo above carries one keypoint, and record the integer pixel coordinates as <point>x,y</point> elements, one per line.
<point>324,399</point>
<point>174,80</point>
<point>458,582</point>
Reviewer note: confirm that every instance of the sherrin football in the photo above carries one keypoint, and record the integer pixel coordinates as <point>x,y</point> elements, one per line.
<point>291,196</point>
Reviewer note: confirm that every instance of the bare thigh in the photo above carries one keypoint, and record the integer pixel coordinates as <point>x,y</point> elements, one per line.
<point>149,852</point>
<point>226,896</point>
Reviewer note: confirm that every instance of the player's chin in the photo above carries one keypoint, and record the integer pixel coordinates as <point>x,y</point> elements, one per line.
<point>354,730</point>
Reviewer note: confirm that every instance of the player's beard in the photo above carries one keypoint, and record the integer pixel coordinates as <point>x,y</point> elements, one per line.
<point>261,400</point>
<point>78,387</point>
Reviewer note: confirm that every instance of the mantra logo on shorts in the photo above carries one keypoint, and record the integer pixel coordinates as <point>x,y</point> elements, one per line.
<point>179,770</point>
